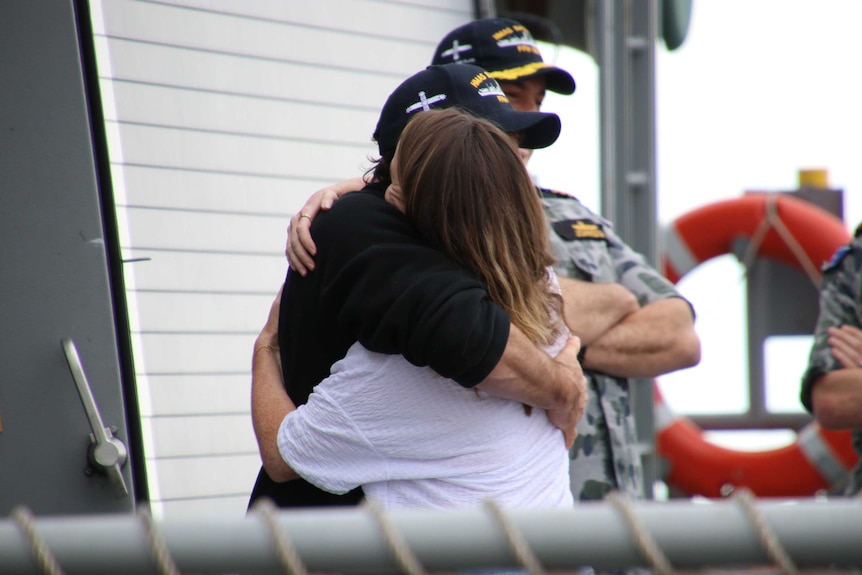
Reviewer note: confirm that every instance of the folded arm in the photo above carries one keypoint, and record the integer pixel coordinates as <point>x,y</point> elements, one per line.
<point>832,384</point>
<point>624,339</point>
<point>836,399</point>
<point>657,338</point>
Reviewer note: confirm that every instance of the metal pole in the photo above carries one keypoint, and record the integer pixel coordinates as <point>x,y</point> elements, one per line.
<point>606,31</point>
<point>627,33</point>
<point>484,9</point>
<point>348,540</point>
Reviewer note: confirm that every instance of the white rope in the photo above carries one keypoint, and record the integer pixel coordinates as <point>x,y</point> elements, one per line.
<point>773,220</point>
<point>157,545</point>
<point>288,556</point>
<point>765,533</point>
<point>517,542</point>
<point>25,521</point>
<point>400,550</point>
<point>642,537</point>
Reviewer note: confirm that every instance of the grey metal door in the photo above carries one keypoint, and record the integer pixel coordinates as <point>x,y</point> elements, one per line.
<point>61,333</point>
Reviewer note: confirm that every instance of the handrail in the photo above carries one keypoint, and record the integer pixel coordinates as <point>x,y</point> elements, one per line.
<point>715,533</point>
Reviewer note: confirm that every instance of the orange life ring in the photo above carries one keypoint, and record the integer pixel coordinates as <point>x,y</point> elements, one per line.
<point>819,457</point>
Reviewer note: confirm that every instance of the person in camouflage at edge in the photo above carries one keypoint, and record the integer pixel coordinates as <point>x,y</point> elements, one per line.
<point>832,384</point>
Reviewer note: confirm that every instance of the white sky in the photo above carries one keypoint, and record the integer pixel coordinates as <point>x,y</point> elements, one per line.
<point>759,90</point>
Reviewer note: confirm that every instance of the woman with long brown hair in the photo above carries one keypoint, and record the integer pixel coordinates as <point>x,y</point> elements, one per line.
<point>408,436</point>
<point>455,178</point>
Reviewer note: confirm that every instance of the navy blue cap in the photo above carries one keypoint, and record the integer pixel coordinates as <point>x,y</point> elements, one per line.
<point>503,47</point>
<point>467,87</point>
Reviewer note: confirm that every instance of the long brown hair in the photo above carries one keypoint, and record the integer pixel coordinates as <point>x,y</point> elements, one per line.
<point>468,192</point>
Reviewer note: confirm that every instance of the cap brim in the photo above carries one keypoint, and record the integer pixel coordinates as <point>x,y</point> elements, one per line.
<point>556,79</point>
<point>539,129</point>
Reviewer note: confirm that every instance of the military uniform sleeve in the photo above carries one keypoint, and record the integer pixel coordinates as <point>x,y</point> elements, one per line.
<point>633,271</point>
<point>387,289</point>
<point>840,303</point>
<point>587,248</point>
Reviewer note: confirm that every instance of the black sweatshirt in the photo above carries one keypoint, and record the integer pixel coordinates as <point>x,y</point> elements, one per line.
<point>376,281</point>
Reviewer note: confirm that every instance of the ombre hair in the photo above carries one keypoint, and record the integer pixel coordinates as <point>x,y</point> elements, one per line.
<point>468,192</point>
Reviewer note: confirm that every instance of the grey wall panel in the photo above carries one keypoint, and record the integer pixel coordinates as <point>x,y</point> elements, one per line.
<point>209,272</point>
<point>207,231</point>
<point>262,39</point>
<point>204,394</point>
<point>197,353</point>
<point>207,476</point>
<point>215,505</point>
<point>217,434</point>
<point>181,312</point>
<point>416,20</point>
<point>242,115</point>
<point>244,75</point>
<point>54,266</point>
<point>233,154</point>
<point>162,187</point>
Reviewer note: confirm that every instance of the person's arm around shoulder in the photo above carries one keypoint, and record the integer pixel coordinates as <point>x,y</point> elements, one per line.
<point>269,400</point>
<point>300,248</point>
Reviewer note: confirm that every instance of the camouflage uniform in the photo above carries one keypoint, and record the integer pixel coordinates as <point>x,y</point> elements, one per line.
<point>605,455</point>
<point>840,304</point>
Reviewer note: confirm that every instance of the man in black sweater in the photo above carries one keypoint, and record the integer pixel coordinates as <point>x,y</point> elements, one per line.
<point>377,282</point>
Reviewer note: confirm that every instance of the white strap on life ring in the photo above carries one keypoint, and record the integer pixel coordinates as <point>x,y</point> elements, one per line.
<point>819,454</point>
<point>679,255</point>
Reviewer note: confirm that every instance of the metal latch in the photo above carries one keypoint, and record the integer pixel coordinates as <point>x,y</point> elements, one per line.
<point>107,453</point>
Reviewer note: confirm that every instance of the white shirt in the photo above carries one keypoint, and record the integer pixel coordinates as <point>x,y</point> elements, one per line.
<point>411,438</point>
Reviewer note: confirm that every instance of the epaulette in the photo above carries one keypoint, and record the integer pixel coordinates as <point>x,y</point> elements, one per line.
<point>836,258</point>
<point>548,193</point>
<point>842,251</point>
